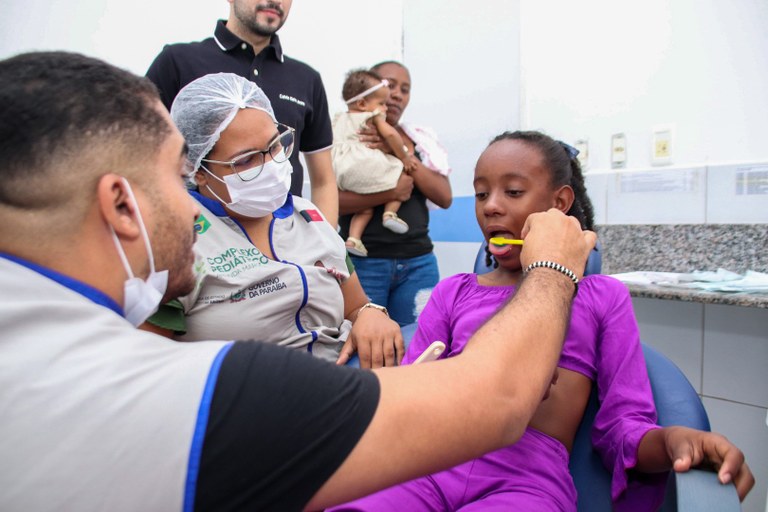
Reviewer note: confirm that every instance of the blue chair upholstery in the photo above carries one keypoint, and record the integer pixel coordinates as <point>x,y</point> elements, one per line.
<point>594,262</point>
<point>677,404</point>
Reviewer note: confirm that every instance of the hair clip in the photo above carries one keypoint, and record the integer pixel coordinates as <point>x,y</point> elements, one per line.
<point>572,151</point>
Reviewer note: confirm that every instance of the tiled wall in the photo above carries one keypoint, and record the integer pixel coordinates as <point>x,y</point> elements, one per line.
<point>684,247</point>
<point>682,219</point>
<point>713,194</point>
<point>723,350</point>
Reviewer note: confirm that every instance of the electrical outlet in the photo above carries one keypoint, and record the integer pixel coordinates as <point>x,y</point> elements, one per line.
<point>618,151</point>
<point>583,146</point>
<point>662,144</point>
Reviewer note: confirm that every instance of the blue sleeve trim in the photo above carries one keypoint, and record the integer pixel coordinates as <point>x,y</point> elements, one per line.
<point>87,291</point>
<point>198,437</point>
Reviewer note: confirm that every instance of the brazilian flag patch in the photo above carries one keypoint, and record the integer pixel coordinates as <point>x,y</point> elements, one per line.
<point>201,225</point>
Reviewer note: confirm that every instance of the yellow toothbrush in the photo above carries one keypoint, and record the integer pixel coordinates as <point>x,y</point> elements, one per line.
<point>500,240</point>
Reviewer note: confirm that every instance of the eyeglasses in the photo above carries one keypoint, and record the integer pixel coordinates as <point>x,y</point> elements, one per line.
<point>279,150</point>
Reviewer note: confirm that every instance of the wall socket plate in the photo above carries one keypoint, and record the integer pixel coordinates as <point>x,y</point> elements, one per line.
<point>662,144</point>
<point>618,151</point>
<point>583,146</point>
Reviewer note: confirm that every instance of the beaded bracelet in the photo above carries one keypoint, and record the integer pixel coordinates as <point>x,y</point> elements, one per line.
<point>554,266</point>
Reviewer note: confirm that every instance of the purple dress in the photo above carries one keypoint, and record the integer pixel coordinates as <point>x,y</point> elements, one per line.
<point>603,344</point>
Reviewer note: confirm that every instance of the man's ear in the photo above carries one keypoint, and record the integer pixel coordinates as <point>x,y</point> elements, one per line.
<point>117,207</point>
<point>564,198</point>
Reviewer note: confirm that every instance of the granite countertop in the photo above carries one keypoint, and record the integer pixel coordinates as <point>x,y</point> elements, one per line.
<point>754,300</point>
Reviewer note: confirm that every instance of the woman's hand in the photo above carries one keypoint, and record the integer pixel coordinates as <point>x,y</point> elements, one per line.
<point>376,338</point>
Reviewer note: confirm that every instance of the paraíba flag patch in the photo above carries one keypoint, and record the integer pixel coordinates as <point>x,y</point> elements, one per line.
<point>311,215</point>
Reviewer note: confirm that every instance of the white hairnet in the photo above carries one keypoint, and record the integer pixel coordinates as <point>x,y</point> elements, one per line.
<point>206,106</point>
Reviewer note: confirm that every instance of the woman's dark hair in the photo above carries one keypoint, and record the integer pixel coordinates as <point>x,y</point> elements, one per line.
<point>357,81</point>
<point>564,169</point>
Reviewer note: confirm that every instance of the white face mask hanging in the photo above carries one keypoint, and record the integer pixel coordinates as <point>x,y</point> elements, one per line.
<point>261,195</point>
<point>140,298</point>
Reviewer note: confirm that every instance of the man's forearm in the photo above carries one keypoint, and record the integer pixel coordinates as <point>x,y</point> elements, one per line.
<point>435,415</point>
<point>523,341</point>
<point>432,416</point>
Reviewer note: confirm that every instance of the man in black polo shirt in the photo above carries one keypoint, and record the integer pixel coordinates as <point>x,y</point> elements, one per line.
<point>247,44</point>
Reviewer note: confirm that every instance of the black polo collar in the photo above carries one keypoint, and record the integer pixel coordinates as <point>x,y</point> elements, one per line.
<point>227,41</point>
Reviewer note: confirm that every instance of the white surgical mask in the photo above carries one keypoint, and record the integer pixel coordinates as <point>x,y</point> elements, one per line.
<point>140,298</point>
<point>260,196</point>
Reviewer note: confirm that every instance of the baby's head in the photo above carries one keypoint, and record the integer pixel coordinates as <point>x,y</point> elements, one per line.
<point>365,91</point>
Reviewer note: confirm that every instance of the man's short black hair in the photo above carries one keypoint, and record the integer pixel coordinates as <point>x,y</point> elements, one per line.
<point>56,104</point>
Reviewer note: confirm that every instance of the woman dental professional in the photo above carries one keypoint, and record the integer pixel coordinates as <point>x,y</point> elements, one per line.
<point>268,266</point>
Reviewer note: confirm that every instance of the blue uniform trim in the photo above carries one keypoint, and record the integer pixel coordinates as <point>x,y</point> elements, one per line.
<point>87,291</point>
<point>286,210</point>
<point>218,210</point>
<point>198,437</point>
<point>304,298</point>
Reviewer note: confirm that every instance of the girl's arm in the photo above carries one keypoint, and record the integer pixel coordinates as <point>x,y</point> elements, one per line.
<point>391,137</point>
<point>681,448</point>
<point>625,431</point>
<point>351,202</point>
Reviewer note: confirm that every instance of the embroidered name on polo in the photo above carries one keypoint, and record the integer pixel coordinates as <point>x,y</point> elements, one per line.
<point>292,99</point>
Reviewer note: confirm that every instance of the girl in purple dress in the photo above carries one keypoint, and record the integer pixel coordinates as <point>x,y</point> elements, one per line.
<point>518,174</point>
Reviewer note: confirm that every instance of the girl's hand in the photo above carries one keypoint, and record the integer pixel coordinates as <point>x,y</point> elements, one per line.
<point>688,448</point>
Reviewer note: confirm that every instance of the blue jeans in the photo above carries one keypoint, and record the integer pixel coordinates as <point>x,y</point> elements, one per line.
<point>402,286</point>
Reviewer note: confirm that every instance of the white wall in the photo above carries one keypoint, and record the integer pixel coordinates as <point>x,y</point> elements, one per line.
<point>127,34</point>
<point>597,67</point>
<point>465,67</point>
<point>324,34</point>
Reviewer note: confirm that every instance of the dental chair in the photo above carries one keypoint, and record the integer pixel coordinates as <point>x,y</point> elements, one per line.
<point>676,404</point>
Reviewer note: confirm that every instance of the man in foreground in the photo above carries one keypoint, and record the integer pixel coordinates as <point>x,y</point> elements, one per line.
<point>96,228</point>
